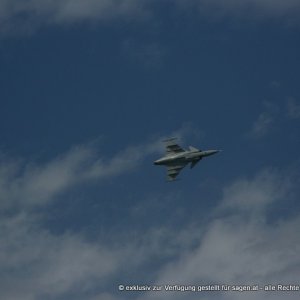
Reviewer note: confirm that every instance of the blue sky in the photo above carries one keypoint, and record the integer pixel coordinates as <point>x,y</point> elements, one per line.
<point>89,89</point>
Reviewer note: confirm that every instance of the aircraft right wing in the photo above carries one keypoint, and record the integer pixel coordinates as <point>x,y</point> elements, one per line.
<point>174,170</point>
<point>172,147</point>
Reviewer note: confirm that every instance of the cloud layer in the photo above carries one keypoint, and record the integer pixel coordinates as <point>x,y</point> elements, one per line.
<point>36,263</point>
<point>240,244</point>
<point>246,8</point>
<point>293,108</point>
<point>36,184</point>
<point>31,14</point>
<point>27,183</point>
<point>265,121</point>
<point>245,240</point>
<point>34,13</point>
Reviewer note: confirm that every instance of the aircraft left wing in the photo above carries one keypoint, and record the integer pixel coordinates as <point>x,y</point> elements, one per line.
<point>172,147</point>
<point>174,170</point>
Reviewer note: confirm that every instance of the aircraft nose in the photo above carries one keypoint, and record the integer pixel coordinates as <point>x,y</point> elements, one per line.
<point>211,152</point>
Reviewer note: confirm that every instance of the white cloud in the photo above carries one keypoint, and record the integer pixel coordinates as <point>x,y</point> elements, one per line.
<point>66,11</point>
<point>293,108</point>
<point>241,248</point>
<point>35,184</point>
<point>24,183</point>
<point>104,296</point>
<point>265,121</point>
<point>36,264</point>
<point>262,125</point>
<point>255,195</point>
<point>246,8</point>
<point>238,245</point>
<point>20,15</point>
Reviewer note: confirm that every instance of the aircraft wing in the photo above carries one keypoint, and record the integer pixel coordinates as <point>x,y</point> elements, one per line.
<point>174,170</point>
<point>193,163</point>
<point>172,147</point>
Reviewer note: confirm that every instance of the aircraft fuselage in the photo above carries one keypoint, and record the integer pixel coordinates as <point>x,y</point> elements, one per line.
<point>186,156</point>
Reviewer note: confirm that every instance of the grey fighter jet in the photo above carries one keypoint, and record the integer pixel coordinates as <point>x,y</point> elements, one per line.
<point>177,158</point>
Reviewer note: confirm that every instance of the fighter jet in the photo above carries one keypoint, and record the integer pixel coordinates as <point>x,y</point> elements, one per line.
<point>177,158</point>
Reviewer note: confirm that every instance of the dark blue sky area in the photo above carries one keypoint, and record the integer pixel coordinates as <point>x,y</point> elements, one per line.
<point>63,87</point>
